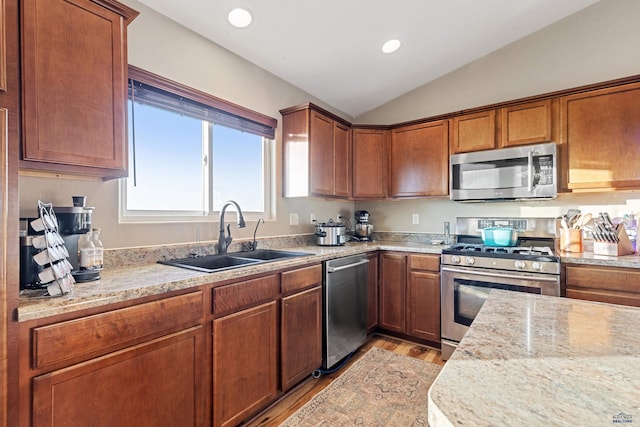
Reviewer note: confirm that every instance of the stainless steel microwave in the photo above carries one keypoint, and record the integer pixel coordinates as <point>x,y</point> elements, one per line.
<point>526,172</point>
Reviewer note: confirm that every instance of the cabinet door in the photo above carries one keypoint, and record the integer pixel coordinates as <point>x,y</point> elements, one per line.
<point>601,133</point>
<point>369,163</point>
<point>424,305</point>
<point>158,383</point>
<point>372,293</point>
<point>301,335</point>
<point>526,123</point>
<point>419,160</point>
<point>604,284</point>
<point>342,160</point>
<point>74,85</point>
<point>474,132</point>
<point>244,363</point>
<point>3,48</point>
<point>393,273</point>
<point>321,154</point>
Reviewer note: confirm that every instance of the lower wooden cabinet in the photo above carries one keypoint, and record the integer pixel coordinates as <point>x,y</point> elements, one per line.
<point>301,336</point>
<point>393,278</point>
<point>157,383</point>
<point>372,292</point>
<point>410,295</point>
<point>604,284</point>
<point>244,363</point>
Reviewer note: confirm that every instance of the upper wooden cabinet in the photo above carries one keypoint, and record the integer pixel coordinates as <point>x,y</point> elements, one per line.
<point>519,124</point>
<point>369,163</point>
<point>528,123</point>
<point>601,137</point>
<point>419,160</point>
<point>317,153</point>
<point>74,74</point>
<point>473,132</point>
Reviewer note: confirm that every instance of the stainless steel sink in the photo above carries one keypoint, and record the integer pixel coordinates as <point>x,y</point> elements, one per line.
<point>213,263</point>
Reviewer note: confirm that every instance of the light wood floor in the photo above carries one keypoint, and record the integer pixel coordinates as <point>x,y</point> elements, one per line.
<point>300,395</point>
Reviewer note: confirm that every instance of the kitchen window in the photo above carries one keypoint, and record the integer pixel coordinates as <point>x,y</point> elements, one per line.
<point>189,152</point>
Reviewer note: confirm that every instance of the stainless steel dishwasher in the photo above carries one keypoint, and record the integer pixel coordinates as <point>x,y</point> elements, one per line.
<point>345,307</point>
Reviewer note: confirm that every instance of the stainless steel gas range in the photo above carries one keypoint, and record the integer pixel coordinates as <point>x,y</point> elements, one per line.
<point>469,270</point>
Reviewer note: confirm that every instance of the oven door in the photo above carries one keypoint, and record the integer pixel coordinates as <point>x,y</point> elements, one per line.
<point>464,291</point>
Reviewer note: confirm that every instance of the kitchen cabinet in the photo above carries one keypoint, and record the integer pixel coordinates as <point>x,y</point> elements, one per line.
<point>317,153</point>
<point>3,48</point>
<point>410,295</point>
<point>244,363</point>
<point>136,365</point>
<point>245,349</point>
<point>301,324</point>
<point>528,123</point>
<point>473,132</point>
<point>74,80</point>
<point>614,285</point>
<point>601,137</point>
<point>155,383</point>
<point>393,278</point>
<point>372,292</point>
<point>423,297</point>
<point>370,166</point>
<point>419,160</point>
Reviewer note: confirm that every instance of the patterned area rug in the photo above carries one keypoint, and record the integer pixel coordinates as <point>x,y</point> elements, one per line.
<point>381,389</point>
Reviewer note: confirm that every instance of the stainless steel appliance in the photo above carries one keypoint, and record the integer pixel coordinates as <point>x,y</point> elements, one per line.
<point>363,231</point>
<point>331,233</point>
<point>345,307</point>
<point>527,172</point>
<point>470,270</point>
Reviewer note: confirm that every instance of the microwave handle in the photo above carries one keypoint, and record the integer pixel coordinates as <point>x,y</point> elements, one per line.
<point>530,172</point>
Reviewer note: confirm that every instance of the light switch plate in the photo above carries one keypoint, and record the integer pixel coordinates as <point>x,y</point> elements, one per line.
<point>415,219</point>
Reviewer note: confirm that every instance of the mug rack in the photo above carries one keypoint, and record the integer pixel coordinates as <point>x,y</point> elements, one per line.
<point>52,253</point>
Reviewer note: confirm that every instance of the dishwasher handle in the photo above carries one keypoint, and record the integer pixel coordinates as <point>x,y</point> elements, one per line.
<point>344,267</point>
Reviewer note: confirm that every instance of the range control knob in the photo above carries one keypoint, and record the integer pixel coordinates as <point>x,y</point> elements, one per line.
<point>536,266</point>
<point>469,260</point>
<point>520,265</point>
<point>455,259</point>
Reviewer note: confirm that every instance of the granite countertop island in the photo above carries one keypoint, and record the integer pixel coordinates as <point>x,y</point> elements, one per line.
<point>542,361</point>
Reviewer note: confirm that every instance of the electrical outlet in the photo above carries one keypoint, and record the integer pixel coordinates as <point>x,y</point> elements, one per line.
<point>415,219</point>
<point>312,218</point>
<point>293,218</point>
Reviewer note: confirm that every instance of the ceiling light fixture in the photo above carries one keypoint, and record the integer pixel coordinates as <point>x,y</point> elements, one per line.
<point>391,46</point>
<point>239,18</point>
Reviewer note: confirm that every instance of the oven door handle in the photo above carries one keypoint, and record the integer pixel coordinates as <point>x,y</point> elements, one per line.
<point>502,275</point>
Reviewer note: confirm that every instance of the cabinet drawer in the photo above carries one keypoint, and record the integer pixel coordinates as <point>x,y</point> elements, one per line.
<point>424,262</point>
<point>244,294</point>
<point>613,279</point>
<point>107,332</point>
<point>301,278</point>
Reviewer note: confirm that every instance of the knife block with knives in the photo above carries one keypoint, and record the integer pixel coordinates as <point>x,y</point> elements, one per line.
<point>610,239</point>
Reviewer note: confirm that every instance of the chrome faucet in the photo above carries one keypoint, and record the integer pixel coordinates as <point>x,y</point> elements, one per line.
<point>225,241</point>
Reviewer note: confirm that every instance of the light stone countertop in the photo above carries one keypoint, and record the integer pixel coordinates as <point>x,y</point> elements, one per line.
<point>126,283</point>
<point>531,360</point>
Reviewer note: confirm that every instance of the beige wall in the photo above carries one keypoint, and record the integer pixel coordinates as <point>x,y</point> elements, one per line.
<point>597,44</point>
<point>161,46</point>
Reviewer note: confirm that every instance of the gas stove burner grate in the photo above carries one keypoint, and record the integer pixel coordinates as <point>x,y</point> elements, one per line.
<point>484,249</point>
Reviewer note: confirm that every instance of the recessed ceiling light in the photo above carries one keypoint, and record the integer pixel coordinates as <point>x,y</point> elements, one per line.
<point>391,46</point>
<point>239,18</point>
